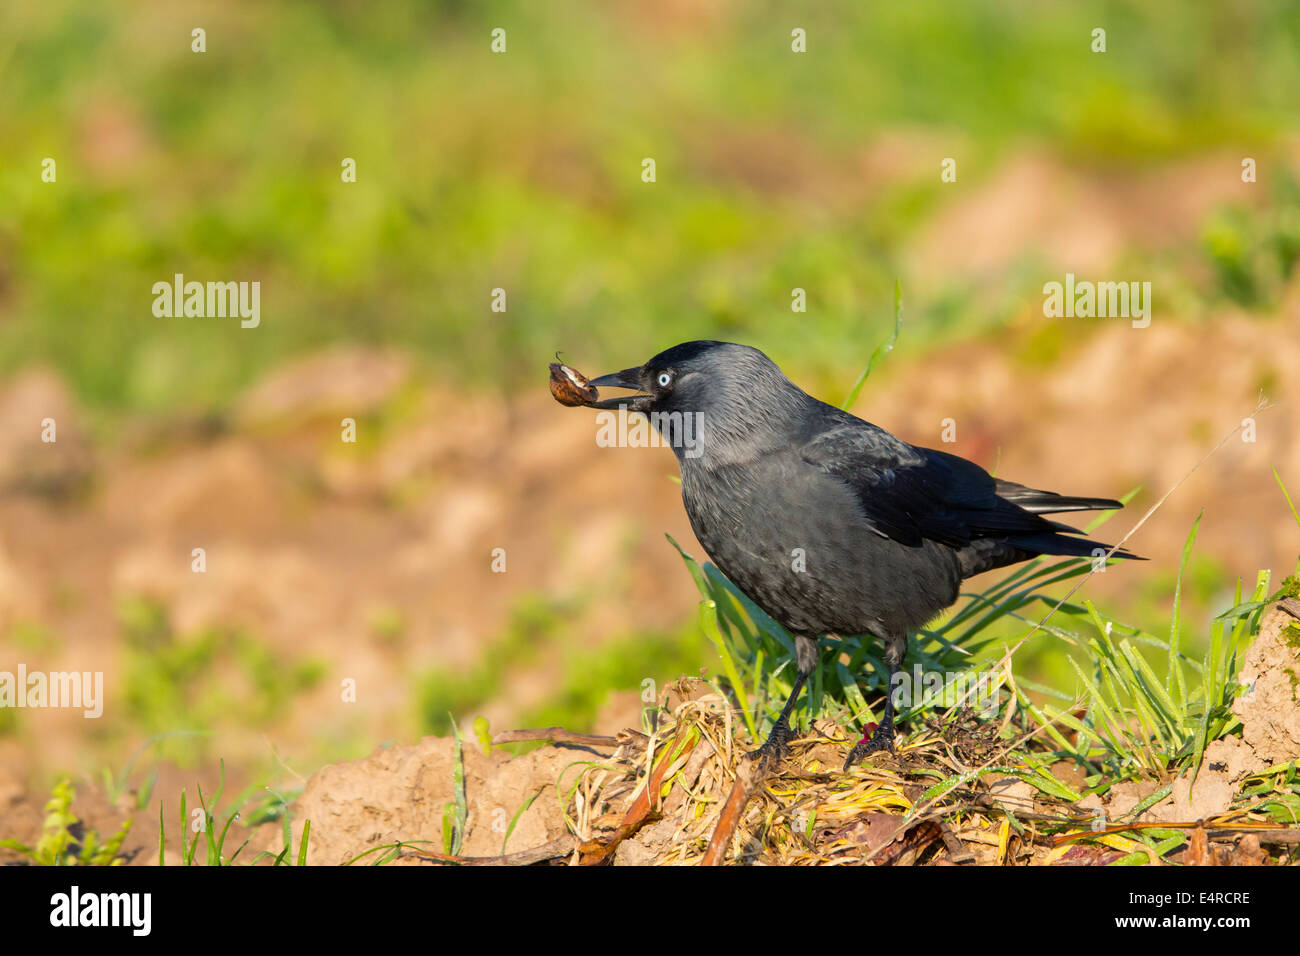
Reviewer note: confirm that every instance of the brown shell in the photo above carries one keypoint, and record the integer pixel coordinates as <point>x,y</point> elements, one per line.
<point>569,386</point>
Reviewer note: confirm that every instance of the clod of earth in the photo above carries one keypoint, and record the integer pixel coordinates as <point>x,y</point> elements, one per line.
<point>569,386</point>
<point>1270,710</point>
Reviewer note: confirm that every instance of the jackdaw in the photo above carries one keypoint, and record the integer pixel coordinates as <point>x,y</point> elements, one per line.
<point>888,530</point>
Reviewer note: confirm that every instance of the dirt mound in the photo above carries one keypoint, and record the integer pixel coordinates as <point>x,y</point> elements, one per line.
<point>401,794</point>
<point>670,798</point>
<point>1270,710</point>
<point>43,447</point>
<point>1073,217</point>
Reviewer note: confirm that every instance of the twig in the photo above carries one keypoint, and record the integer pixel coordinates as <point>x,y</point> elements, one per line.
<point>749,777</point>
<point>559,847</point>
<point>558,735</point>
<point>748,780</point>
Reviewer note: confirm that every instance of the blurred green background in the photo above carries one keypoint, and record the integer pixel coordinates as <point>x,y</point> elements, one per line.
<point>522,170</point>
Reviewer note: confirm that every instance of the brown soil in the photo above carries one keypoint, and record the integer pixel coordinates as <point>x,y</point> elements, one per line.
<point>1270,710</point>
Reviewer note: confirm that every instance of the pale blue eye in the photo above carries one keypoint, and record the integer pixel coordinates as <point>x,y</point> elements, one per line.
<point>665,379</point>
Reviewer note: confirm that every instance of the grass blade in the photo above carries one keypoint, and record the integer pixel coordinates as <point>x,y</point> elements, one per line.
<point>883,349</point>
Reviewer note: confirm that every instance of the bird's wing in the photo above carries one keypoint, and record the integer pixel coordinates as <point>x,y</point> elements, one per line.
<point>1049,502</point>
<point>910,494</point>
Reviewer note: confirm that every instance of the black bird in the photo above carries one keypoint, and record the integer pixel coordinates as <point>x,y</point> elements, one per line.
<point>888,530</point>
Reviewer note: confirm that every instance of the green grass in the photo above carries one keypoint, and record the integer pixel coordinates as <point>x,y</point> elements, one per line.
<point>445,695</point>
<point>1253,255</point>
<point>179,687</point>
<point>64,842</point>
<point>538,634</point>
<point>202,824</point>
<point>455,815</point>
<point>643,663</point>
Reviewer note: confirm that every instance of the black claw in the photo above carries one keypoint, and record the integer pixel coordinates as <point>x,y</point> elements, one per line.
<point>777,745</point>
<point>882,739</point>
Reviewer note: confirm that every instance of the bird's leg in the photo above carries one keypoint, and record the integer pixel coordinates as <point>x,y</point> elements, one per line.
<point>881,736</point>
<point>778,740</point>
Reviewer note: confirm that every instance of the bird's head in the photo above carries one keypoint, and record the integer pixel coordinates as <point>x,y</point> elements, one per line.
<point>731,391</point>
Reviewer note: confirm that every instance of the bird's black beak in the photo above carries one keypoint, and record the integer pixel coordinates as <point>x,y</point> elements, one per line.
<point>628,378</point>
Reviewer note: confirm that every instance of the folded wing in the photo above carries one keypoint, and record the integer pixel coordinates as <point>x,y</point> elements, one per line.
<point>911,495</point>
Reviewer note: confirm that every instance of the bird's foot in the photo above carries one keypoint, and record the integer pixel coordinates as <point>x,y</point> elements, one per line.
<point>777,746</point>
<point>879,737</point>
